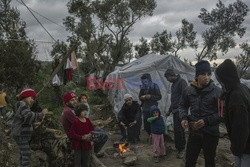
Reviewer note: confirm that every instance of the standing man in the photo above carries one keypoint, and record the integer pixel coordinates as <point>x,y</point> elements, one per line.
<point>149,95</point>
<point>201,99</point>
<point>68,115</point>
<point>236,97</point>
<point>177,88</point>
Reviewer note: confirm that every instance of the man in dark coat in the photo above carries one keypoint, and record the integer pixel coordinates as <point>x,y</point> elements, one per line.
<point>177,88</point>
<point>130,119</point>
<point>236,97</point>
<point>201,98</point>
<point>149,95</point>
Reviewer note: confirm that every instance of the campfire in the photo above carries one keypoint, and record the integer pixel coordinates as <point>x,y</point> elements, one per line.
<point>123,148</point>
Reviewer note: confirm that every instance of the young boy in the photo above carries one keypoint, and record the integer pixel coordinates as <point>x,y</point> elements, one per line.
<point>157,131</point>
<point>83,98</point>
<point>22,124</point>
<point>80,133</point>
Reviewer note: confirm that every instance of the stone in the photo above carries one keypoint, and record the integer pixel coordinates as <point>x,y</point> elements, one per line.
<point>130,160</point>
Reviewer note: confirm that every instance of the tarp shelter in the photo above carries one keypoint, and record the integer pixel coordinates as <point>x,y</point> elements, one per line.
<point>128,76</point>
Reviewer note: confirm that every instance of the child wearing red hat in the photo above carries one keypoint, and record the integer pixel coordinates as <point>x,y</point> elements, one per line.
<point>22,124</point>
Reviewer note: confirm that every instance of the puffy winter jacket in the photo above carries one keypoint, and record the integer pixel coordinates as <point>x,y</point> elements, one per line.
<point>203,104</point>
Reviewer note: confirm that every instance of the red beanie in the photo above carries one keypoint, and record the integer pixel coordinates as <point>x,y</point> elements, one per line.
<point>68,96</point>
<point>27,93</point>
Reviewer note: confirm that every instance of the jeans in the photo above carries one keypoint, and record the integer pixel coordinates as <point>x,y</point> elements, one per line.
<point>179,134</point>
<point>243,161</point>
<point>199,140</point>
<point>99,139</point>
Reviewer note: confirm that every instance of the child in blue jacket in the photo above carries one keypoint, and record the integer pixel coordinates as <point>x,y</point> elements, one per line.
<point>157,130</point>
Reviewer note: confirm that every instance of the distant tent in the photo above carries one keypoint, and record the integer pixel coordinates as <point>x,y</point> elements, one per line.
<point>129,78</point>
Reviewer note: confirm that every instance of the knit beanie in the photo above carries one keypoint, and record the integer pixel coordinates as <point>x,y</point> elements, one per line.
<point>169,73</point>
<point>68,96</point>
<point>202,67</point>
<point>126,96</point>
<point>27,93</point>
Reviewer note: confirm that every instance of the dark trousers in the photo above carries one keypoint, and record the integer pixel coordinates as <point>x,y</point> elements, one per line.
<point>146,115</point>
<point>196,142</point>
<point>131,133</point>
<point>82,158</point>
<point>179,134</point>
<point>99,139</point>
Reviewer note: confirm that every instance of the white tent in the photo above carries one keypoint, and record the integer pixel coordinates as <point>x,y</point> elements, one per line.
<point>129,78</point>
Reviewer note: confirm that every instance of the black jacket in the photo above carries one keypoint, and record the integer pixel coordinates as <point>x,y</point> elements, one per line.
<point>177,88</point>
<point>128,114</point>
<point>203,104</point>
<point>237,108</point>
<point>150,89</point>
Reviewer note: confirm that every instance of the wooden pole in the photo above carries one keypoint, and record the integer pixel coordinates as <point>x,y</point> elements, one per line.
<point>60,65</point>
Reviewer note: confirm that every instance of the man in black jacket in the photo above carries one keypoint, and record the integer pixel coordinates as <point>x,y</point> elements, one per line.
<point>177,88</point>
<point>236,97</point>
<point>149,95</point>
<point>201,98</point>
<point>129,119</point>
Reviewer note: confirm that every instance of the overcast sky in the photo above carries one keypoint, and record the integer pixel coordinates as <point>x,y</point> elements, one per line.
<point>167,15</point>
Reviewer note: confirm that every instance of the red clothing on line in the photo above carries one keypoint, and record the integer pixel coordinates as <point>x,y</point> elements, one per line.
<point>77,130</point>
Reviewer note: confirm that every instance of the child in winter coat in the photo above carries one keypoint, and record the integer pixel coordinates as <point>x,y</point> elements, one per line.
<point>157,131</point>
<point>81,136</point>
<point>83,98</point>
<point>22,124</point>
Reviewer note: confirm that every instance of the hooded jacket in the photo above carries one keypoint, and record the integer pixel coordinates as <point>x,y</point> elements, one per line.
<point>149,89</point>
<point>237,107</point>
<point>157,124</point>
<point>203,104</point>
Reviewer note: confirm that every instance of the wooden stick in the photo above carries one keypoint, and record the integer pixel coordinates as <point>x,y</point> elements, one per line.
<point>96,162</point>
<point>58,68</point>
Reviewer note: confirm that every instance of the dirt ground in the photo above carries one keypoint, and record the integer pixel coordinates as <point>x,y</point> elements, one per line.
<point>144,153</point>
<point>9,156</point>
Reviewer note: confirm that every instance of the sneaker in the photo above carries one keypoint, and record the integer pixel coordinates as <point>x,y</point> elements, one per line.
<point>156,159</point>
<point>180,154</point>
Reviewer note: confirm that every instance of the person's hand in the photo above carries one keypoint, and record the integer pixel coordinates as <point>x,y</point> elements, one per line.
<point>199,124</point>
<point>132,123</point>
<point>143,97</point>
<point>87,137</point>
<point>184,123</point>
<point>167,114</point>
<point>122,124</point>
<point>147,96</point>
<point>45,111</point>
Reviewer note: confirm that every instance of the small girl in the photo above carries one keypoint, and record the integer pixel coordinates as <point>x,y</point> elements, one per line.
<point>157,131</point>
<point>80,133</point>
<point>83,98</point>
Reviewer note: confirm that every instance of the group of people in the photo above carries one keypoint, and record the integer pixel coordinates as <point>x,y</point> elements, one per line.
<point>75,120</point>
<point>199,107</point>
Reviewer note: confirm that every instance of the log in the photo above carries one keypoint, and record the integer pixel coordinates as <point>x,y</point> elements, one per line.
<point>96,162</point>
